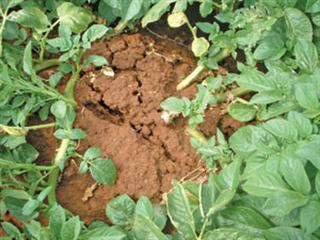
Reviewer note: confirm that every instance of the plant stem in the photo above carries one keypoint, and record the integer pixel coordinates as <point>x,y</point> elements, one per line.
<point>13,165</point>
<point>120,27</point>
<point>236,92</point>
<point>54,175</point>
<point>203,228</point>
<point>44,40</point>
<point>69,90</point>
<point>117,29</point>
<point>35,127</point>
<point>193,132</point>
<point>194,35</point>
<point>201,68</point>
<point>22,131</point>
<point>46,64</point>
<point>192,77</point>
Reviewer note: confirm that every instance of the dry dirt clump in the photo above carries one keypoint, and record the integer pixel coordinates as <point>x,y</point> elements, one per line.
<point>119,108</point>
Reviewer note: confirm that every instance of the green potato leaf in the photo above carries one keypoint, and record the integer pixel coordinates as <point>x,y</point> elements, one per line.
<point>63,44</point>
<point>231,234</point>
<point>30,206</point>
<point>286,233</point>
<point>242,112</point>
<point>71,229</point>
<point>267,97</point>
<point>179,211</point>
<point>12,230</point>
<point>155,13</point>
<point>145,228</point>
<point>280,204</point>
<point>301,123</point>
<point>92,153</point>
<point>271,47</point>
<point>306,55</point>
<point>57,220</point>
<point>310,217</point>
<point>134,9</point>
<point>306,95</point>
<point>96,60</point>
<point>311,152</point>
<point>120,211</point>
<point>312,6</point>
<point>246,217</point>
<point>94,32</point>
<point>298,25</point>
<point>7,4</point>
<point>174,104</point>
<point>317,183</point>
<point>281,128</point>
<point>265,183</point>
<point>59,109</point>
<point>27,59</point>
<point>103,171</point>
<point>255,80</point>
<point>76,134</point>
<point>294,173</point>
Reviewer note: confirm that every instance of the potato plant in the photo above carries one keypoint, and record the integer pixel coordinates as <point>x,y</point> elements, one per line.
<point>264,181</point>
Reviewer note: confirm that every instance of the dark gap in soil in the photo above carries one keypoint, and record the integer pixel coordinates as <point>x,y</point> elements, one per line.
<point>114,112</point>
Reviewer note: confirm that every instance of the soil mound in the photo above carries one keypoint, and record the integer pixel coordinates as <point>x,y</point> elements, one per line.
<point>119,108</point>
<point>121,116</point>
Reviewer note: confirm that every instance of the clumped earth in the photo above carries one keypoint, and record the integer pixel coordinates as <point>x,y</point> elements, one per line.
<point>119,108</point>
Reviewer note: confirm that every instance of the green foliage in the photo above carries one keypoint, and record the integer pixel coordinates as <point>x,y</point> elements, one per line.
<point>193,109</point>
<point>102,170</point>
<point>265,178</point>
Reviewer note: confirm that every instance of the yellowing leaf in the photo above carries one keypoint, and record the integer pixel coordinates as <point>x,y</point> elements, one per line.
<point>176,20</point>
<point>200,46</point>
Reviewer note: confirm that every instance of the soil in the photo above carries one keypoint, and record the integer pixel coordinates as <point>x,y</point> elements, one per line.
<point>119,108</point>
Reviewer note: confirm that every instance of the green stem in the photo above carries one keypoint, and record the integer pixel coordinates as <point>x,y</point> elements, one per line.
<point>191,77</point>
<point>43,41</point>
<point>69,90</point>
<point>203,228</point>
<point>117,29</point>
<point>13,165</point>
<point>54,175</point>
<point>120,27</point>
<point>46,64</point>
<point>201,68</point>
<point>53,182</point>
<point>236,92</point>
<point>194,35</point>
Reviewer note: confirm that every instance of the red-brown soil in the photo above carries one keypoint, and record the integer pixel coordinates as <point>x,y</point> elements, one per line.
<point>121,116</point>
